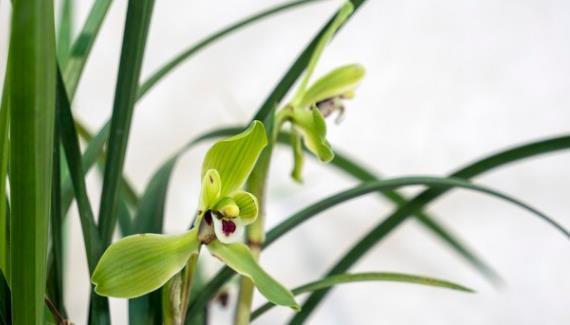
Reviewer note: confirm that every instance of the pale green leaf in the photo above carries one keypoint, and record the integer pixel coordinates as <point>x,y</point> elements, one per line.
<point>139,264</point>
<point>339,82</point>
<point>235,157</point>
<point>238,257</point>
<point>248,206</point>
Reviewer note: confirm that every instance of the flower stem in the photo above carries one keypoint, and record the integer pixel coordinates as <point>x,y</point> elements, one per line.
<point>255,232</point>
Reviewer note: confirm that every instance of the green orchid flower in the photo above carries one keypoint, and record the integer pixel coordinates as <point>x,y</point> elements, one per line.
<point>312,104</point>
<point>139,264</point>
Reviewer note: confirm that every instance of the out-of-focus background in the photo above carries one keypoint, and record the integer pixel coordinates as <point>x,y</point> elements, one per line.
<point>447,82</point>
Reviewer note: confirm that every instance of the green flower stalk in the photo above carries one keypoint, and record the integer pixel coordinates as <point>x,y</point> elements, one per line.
<point>312,104</point>
<point>139,264</point>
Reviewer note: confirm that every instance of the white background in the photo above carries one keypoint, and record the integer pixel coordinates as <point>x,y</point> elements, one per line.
<point>447,82</point>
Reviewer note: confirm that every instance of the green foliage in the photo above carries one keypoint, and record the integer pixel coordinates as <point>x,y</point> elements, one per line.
<point>42,170</point>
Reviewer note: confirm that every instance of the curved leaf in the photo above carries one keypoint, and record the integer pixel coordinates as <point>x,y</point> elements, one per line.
<point>335,280</point>
<point>399,216</point>
<point>238,257</point>
<point>184,55</point>
<point>139,264</point>
<point>235,157</point>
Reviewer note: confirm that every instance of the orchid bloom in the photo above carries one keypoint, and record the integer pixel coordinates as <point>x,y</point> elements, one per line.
<point>139,264</point>
<point>310,105</point>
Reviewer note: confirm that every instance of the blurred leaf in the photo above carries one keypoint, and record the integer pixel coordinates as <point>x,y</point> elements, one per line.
<point>65,30</point>
<point>238,257</point>
<point>139,264</point>
<point>4,157</point>
<point>399,216</point>
<point>235,157</point>
<point>5,301</point>
<point>184,55</point>
<point>82,46</point>
<point>32,116</point>
<point>335,280</point>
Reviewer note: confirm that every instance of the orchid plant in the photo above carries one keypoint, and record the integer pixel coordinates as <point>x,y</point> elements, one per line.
<point>43,170</point>
<point>139,264</point>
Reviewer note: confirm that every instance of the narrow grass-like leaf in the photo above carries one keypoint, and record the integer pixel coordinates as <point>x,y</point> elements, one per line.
<point>4,157</point>
<point>338,279</point>
<point>5,301</point>
<point>184,55</point>
<point>55,274</point>
<point>70,144</point>
<point>134,41</point>
<point>82,46</point>
<point>132,52</point>
<point>32,117</point>
<point>64,31</point>
<point>399,216</point>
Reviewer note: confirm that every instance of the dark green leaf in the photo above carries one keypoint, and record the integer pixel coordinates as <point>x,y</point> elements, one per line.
<point>5,301</point>
<point>4,157</point>
<point>399,216</point>
<point>335,280</point>
<point>82,46</point>
<point>181,57</point>
<point>70,144</point>
<point>32,116</point>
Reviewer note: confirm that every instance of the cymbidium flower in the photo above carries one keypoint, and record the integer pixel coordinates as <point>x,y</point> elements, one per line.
<point>310,105</point>
<point>139,264</point>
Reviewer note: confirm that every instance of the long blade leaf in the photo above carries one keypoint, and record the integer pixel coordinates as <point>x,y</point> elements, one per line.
<point>82,45</point>
<point>132,52</point>
<point>4,157</point>
<point>181,57</point>
<point>32,116</point>
<point>399,216</point>
<point>335,280</point>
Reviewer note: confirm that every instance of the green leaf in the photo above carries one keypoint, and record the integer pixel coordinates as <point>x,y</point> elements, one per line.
<point>399,216</point>
<point>32,115</point>
<point>132,52</point>
<point>5,301</point>
<point>248,206</point>
<point>339,82</point>
<point>235,157</point>
<point>335,280</point>
<point>82,45</point>
<point>184,55</point>
<point>55,287</point>
<point>211,189</point>
<point>139,264</point>
<point>70,144</point>
<point>65,30</point>
<point>4,157</point>
<point>238,257</point>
